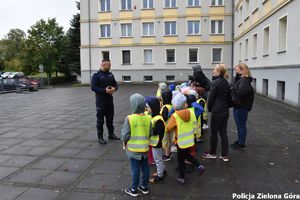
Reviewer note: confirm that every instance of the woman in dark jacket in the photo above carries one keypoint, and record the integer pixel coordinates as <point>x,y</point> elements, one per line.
<point>245,93</point>
<point>218,105</point>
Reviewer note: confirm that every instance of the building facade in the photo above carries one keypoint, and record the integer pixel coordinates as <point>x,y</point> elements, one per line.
<point>266,38</point>
<point>155,40</point>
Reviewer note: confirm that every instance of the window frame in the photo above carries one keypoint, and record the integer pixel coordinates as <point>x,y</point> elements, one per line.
<point>142,5</point>
<point>126,36</point>
<point>106,10</point>
<point>126,5</point>
<point>265,54</point>
<point>187,27</point>
<point>148,31</point>
<point>171,29</point>
<point>278,30</point>
<point>217,27</point>
<point>217,3</point>
<point>109,25</point>
<point>189,61</point>
<point>170,4</point>
<point>256,50</point>
<point>148,63</point>
<point>193,6</point>
<point>246,50</point>
<point>212,55</point>
<point>130,57</point>
<point>166,56</point>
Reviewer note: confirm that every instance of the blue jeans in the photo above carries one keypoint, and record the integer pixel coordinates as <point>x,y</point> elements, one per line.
<point>136,167</point>
<point>240,118</point>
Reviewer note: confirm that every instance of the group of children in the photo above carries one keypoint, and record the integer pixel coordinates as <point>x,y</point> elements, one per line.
<point>175,116</point>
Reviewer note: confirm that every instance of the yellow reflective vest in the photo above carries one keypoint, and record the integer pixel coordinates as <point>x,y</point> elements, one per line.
<point>139,132</point>
<point>185,133</point>
<point>205,113</point>
<point>154,139</point>
<point>168,106</point>
<point>195,122</point>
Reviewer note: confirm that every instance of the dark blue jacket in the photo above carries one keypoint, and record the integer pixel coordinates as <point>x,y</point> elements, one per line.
<point>100,81</point>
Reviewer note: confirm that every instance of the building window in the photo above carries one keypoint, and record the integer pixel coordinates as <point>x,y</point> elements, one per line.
<point>254,5</point>
<point>246,49</point>
<point>240,52</point>
<point>216,26</point>
<point>217,2</point>
<point>282,34</point>
<point>193,55</point>
<point>148,29</point>
<point>254,46</point>
<point>280,90</point>
<point>148,79</point>
<point>240,15</point>
<point>104,5</point>
<point>170,78</point>
<point>170,54</point>
<point>265,87</point>
<point>148,4</point>
<point>216,55</point>
<point>126,58</point>
<point>194,3</point>
<point>126,79</point>
<point>266,41</point>
<point>170,28</point>
<point>126,5</point>
<point>105,55</point>
<point>170,3</point>
<point>105,31</point>
<point>247,9</point>
<point>193,27</point>
<point>148,56</point>
<point>126,30</point>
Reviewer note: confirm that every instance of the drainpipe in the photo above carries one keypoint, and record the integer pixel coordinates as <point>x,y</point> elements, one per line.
<point>90,51</point>
<point>232,43</point>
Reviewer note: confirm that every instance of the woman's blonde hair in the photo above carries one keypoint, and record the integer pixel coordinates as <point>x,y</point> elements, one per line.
<point>222,69</point>
<point>245,70</point>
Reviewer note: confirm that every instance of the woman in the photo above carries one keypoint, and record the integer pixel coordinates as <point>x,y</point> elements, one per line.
<point>245,93</point>
<point>218,105</point>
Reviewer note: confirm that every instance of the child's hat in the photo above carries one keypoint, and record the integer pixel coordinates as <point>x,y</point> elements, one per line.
<point>179,101</point>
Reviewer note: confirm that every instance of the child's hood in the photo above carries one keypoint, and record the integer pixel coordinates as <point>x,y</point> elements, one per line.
<point>137,103</point>
<point>166,96</point>
<point>184,114</point>
<point>154,104</point>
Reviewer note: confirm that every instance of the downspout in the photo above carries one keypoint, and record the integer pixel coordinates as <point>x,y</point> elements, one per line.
<point>90,51</point>
<point>232,43</point>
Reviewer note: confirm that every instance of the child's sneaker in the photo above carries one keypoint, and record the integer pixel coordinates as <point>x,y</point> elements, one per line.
<point>144,190</point>
<point>166,158</point>
<point>208,156</point>
<point>131,192</point>
<point>201,169</point>
<point>156,179</point>
<point>165,173</point>
<point>224,158</point>
<point>180,180</point>
<point>205,126</point>
<point>173,149</point>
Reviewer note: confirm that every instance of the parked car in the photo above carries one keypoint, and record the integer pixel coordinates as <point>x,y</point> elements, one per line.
<point>6,74</point>
<point>16,75</point>
<point>12,84</point>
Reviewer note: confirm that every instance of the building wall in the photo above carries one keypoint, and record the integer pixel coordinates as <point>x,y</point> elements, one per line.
<point>277,65</point>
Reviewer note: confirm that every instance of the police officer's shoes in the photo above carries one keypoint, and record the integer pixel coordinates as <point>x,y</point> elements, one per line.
<point>101,141</point>
<point>113,137</point>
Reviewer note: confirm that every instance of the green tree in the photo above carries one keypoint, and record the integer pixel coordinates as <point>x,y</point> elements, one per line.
<point>46,43</point>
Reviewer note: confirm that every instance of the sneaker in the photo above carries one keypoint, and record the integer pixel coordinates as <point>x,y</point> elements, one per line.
<point>131,192</point>
<point>234,144</point>
<point>144,190</point>
<point>205,126</point>
<point>201,169</point>
<point>224,158</point>
<point>173,149</point>
<point>208,156</point>
<point>180,180</point>
<point>166,158</point>
<point>165,173</point>
<point>156,179</point>
<point>239,147</point>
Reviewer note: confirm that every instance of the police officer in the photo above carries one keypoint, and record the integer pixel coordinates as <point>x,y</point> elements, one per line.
<point>104,85</point>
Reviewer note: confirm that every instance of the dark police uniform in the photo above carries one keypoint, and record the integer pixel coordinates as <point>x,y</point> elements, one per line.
<point>104,101</point>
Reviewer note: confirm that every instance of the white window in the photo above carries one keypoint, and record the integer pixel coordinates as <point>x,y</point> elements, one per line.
<point>126,79</point>
<point>254,5</point>
<point>240,51</point>
<point>247,9</point>
<point>254,46</point>
<point>148,79</point>
<point>170,56</point>
<point>282,34</point>
<point>104,5</point>
<point>148,56</point>
<point>216,27</point>
<point>193,3</point>
<point>170,28</point>
<point>126,57</point>
<point>246,49</point>
<point>105,55</point>
<point>170,78</point>
<point>170,3</point>
<point>148,4</point>
<point>216,55</point>
<point>266,41</point>
<point>217,2</point>
<point>193,55</point>
<point>241,15</point>
<point>105,31</point>
<point>148,28</point>
<point>194,28</point>
<point>126,5</point>
<point>126,30</point>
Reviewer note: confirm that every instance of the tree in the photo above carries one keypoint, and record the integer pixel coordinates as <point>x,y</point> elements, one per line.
<point>45,45</point>
<point>73,51</point>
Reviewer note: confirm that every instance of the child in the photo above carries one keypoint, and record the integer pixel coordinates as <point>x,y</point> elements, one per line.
<point>181,122</point>
<point>136,132</point>
<point>158,129</point>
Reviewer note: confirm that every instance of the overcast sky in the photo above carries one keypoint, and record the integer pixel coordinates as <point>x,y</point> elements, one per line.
<point>24,13</point>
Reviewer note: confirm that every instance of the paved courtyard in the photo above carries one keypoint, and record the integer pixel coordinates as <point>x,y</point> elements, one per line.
<point>49,150</point>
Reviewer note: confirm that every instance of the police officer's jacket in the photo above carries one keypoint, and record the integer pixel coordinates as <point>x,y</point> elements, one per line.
<point>100,81</point>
